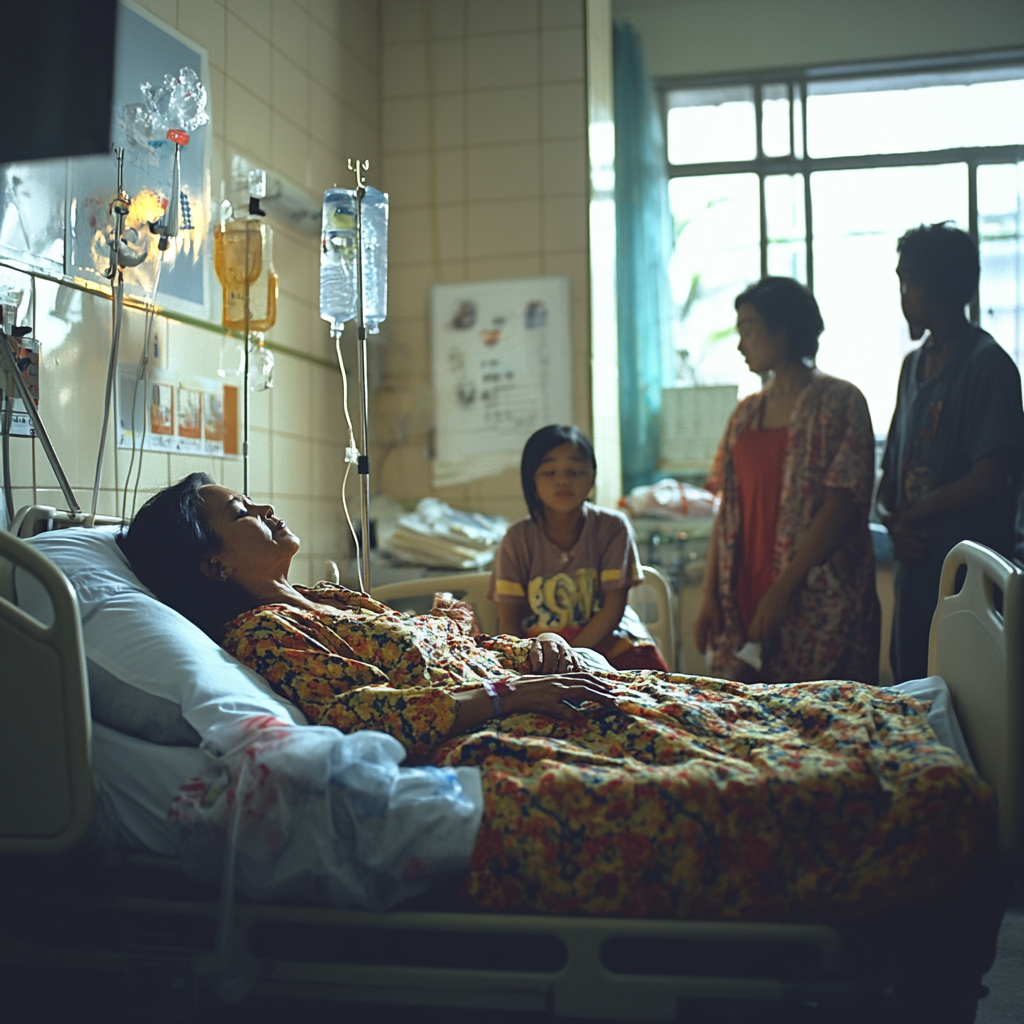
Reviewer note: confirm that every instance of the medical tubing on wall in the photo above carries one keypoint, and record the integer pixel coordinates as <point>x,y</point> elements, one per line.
<point>108,400</point>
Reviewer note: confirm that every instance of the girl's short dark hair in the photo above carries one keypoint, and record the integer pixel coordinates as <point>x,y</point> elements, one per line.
<point>539,444</point>
<point>786,305</point>
<point>166,543</point>
<point>944,260</point>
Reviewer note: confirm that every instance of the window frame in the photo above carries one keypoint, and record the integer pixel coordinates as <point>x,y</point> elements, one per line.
<point>797,81</point>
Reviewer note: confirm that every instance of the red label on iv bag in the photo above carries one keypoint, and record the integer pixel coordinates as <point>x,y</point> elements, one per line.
<point>178,136</point>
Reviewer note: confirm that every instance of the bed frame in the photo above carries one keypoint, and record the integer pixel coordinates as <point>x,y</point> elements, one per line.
<point>574,967</point>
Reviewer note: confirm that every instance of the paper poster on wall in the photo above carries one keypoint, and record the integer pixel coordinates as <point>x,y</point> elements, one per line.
<point>172,414</point>
<point>502,366</point>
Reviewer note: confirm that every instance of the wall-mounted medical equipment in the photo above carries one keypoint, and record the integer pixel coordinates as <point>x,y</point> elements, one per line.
<point>353,286</point>
<point>243,260</point>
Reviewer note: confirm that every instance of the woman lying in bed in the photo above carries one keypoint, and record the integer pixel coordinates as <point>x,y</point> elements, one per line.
<point>635,793</point>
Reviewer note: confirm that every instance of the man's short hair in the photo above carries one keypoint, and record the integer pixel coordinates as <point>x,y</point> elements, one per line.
<point>944,260</point>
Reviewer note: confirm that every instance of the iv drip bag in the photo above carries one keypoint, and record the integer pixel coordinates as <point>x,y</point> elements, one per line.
<point>242,255</point>
<point>339,297</point>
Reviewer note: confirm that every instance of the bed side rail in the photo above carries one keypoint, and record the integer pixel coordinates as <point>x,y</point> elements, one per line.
<point>46,782</point>
<point>976,645</point>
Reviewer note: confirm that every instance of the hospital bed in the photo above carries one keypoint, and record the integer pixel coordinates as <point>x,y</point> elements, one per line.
<point>425,954</point>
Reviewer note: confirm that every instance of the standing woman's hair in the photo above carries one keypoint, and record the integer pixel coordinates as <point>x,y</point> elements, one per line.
<point>166,543</point>
<point>786,305</point>
<point>539,444</point>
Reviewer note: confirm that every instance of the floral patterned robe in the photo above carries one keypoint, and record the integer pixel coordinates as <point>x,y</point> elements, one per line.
<point>833,629</point>
<point>693,798</point>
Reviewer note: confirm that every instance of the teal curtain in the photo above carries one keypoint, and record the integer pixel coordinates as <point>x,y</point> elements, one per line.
<point>644,245</point>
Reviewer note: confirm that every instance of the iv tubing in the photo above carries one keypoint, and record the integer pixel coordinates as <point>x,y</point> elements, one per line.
<point>108,401</point>
<point>8,412</point>
<point>245,381</point>
<point>348,461</point>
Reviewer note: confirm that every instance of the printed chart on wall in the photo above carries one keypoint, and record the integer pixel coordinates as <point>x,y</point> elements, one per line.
<point>502,369</point>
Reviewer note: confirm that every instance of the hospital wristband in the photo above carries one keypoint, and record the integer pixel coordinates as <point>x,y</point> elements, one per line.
<point>496,690</point>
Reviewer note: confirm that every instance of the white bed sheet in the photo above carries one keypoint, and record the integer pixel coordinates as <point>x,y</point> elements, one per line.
<point>941,716</point>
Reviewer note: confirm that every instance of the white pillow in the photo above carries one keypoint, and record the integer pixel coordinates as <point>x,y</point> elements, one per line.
<point>145,644</point>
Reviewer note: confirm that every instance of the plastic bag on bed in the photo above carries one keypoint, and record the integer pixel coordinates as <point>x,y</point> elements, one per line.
<point>314,814</point>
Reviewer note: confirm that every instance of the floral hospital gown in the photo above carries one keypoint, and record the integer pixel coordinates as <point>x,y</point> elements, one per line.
<point>692,798</point>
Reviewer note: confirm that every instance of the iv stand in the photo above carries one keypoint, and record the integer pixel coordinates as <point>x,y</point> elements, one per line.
<point>358,166</point>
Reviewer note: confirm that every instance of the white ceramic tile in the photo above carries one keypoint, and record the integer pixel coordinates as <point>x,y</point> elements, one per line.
<point>410,236</point>
<point>451,231</point>
<point>328,465</point>
<point>261,405</point>
<point>291,466</point>
<point>502,61</point>
<point>504,172</point>
<point>154,476</point>
<point>446,18</point>
<point>326,61</point>
<point>290,89</point>
<point>501,17</point>
<point>328,167</point>
<point>409,295</point>
<point>402,20</point>
<point>203,22</point>
<point>448,65</point>
<point>359,85</point>
<point>406,178</point>
<point>216,86</point>
<point>289,148</point>
<point>260,465</point>
<point>295,511</point>
<point>290,31</point>
<point>359,27</point>
<point>573,265</point>
<point>564,111</point>
<point>564,223</point>
<point>255,13</point>
<point>404,71</point>
<point>328,418</point>
<point>230,473</point>
<point>292,406</point>
<point>331,537</point>
<point>248,58</point>
<point>329,15</point>
<point>404,124</point>
<point>326,117</point>
<point>450,176</point>
<point>502,115</point>
<point>561,13</point>
<point>449,120</point>
<point>565,168</point>
<point>510,228</point>
<point>497,268</point>
<point>21,461</point>
<point>563,55</point>
<point>166,10</point>
<point>248,121</point>
<point>193,351</point>
<point>362,142</point>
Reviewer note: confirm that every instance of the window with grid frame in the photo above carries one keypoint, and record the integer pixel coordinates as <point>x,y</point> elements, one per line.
<point>814,174</point>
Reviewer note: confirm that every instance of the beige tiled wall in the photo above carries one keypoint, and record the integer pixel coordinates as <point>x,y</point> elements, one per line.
<point>483,148</point>
<point>293,87</point>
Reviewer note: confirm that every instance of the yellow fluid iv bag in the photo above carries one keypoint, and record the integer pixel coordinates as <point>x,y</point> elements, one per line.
<point>243,260</point>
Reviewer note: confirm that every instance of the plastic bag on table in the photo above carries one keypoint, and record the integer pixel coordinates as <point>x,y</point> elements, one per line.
<point>669,498</point>
<point>310,813</point>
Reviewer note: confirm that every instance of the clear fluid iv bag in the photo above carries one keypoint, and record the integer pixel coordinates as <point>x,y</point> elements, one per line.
<point>339,298</point>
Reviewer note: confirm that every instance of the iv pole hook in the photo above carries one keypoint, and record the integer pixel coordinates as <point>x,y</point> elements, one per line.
<point>358,166</point>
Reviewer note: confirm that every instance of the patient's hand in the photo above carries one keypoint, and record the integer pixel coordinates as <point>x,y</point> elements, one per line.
<point>551,653</point>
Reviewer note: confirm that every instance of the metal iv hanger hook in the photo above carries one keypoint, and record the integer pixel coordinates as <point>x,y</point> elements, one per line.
<point>358,166</point>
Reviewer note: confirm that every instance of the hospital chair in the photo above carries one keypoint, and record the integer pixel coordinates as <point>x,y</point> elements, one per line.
<point>651,600</point>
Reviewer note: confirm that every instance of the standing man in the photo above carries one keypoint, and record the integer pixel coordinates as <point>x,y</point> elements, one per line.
<point>953,458</point>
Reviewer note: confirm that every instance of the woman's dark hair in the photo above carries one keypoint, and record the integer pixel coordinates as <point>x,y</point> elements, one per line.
<point>786,305</point>
<point>944,260</point>
<point>539,444</point>
<point>166,543</point>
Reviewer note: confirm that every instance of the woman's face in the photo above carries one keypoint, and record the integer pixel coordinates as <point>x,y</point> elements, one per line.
<point>762,348</point>
<point>255,545</point>
<point>564,478</point>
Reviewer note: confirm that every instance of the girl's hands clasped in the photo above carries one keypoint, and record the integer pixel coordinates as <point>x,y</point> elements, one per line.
<point>551,653</point>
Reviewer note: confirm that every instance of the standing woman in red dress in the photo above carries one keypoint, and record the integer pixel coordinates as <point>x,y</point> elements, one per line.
<point>791,565</point>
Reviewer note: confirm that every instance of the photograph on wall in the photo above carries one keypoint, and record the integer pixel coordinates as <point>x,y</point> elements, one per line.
<point>502,365</point>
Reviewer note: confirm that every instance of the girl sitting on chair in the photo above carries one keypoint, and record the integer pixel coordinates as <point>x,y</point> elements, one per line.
<point>568,566</point>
